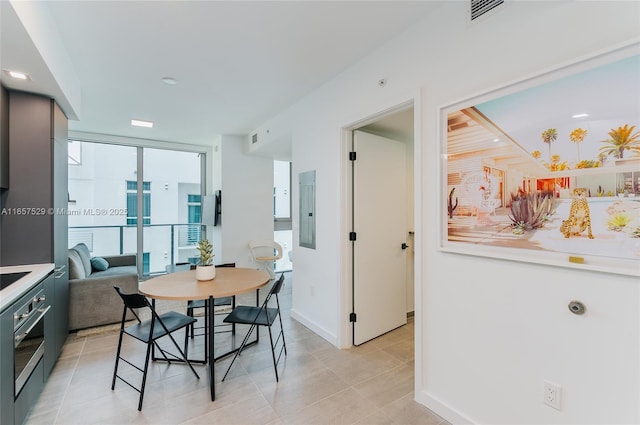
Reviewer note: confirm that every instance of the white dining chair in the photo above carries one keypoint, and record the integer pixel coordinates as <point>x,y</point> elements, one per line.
<point>266,253</point>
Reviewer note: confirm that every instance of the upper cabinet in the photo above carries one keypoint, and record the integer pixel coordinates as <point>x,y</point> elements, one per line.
<point>37,141</point>
<point>4,138</point>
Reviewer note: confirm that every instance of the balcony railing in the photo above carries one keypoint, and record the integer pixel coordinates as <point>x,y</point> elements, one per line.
<point>163,244</point>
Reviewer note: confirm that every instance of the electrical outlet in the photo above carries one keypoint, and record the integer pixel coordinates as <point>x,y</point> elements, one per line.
<point>552,394</point>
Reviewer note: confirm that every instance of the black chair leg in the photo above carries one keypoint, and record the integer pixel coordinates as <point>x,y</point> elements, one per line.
<point>144,374</point>
<point>281,328</point>
<point>186,342</point>
<point>273,353</point>
<point>233,325</point>
<point>235,356</point>
<point>190,327</point>
<point>115,368</point>
<point>184,356</point>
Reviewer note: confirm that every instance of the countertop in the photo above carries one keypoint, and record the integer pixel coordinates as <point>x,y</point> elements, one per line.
<point>11,293</point>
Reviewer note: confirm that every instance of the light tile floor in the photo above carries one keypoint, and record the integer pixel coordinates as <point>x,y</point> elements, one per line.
<point>319,384</point>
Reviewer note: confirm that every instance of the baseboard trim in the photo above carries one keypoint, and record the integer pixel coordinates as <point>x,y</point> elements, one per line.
<point>332,338</point>
<point>449,414</point>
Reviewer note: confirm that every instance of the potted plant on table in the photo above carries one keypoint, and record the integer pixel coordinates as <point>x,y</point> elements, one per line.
<point>205,270</point>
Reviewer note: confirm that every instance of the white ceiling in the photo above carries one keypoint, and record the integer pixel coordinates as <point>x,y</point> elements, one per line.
<point>237,63</point>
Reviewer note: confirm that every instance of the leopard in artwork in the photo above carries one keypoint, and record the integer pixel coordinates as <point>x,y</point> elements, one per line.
<point>579,218</point>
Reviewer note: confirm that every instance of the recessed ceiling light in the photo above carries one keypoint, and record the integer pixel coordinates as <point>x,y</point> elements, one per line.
<point>496,140</point>
<point>17,74</point>
<point>579,115</point>
<point>169,80</point>
<point>139,123</point>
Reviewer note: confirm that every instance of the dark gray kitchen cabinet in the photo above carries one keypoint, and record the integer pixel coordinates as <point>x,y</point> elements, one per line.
<point>4,138</point>
<point>37,232</point>
<point>60,228</point>
<point>6,367</point>
<point>23,335</point>
<point>51,350</point>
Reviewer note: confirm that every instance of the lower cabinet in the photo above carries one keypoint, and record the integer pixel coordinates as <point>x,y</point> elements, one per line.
<point>56,289</point>
<point>29,394</point>
<point>31,351</point>
<point>6,367</point>
<point>50,347</point>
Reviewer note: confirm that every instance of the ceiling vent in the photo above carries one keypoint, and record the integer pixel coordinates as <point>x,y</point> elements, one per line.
<point>254,138</point>
<point>480,7</point>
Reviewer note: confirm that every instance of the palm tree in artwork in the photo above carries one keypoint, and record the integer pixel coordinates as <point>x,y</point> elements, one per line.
<point>577,136</point>
<point>621,139</point>
<point>548,136</point>
<point>556,165</point>
<point>602,157</point>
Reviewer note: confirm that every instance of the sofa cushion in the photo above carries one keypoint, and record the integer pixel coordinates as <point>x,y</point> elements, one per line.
<point>94,302</point>
<point>85,255</point>
<point>76,268</point>
<point>116,271</point>
<point>99,264</point>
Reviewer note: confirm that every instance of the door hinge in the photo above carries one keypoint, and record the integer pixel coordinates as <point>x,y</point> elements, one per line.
<point>352,317</point>
<point>352,156</point>
<point>352,236</point>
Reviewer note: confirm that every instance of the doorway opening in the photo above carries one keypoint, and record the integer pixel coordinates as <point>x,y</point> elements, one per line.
<point>380,270</point>
<point>282,224</point>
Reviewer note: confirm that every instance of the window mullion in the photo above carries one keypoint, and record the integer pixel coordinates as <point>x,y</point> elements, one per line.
<point>140,215</point>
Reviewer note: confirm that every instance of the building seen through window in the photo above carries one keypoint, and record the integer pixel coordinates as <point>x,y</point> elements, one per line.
<point>132,203</point>
<point>104,213</point>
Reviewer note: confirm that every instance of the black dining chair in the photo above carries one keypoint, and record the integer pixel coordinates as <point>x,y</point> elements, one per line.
<point>149,331</point>
<point>261,316</point>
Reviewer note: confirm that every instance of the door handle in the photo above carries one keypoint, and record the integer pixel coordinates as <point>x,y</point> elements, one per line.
<point>404,246</point>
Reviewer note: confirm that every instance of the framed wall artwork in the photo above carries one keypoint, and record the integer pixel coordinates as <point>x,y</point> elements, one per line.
<point>547,170</point>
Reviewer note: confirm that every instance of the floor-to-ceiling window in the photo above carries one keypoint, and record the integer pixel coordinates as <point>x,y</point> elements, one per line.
<point>118,193</point>
<point>99,209</point>
<point>174,229</point>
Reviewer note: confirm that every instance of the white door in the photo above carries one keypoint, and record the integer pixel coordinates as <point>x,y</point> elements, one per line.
<point>379,221</point>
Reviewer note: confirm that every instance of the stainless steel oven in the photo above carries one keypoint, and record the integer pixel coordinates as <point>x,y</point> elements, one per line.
<point>28,334</point>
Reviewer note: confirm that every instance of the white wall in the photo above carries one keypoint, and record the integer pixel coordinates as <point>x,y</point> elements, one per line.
<point>247,201</point>
<point>215,183</point>
<point>488,332</point>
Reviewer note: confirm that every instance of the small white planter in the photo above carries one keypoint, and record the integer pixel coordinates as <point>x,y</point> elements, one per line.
<point>205,272</point>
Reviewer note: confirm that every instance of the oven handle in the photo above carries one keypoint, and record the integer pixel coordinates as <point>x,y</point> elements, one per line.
<point>20,337</point>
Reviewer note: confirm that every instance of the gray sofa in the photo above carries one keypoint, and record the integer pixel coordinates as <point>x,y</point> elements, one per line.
<point>92,299</point>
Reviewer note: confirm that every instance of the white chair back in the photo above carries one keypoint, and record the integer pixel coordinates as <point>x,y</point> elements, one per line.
<point>266,252</point>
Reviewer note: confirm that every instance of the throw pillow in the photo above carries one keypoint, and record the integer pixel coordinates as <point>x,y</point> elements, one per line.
<point>85,255</point>
<point>76,269</point>
<point>99,264</point>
